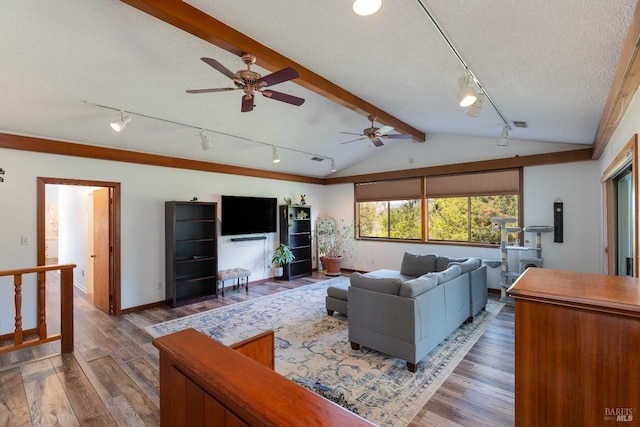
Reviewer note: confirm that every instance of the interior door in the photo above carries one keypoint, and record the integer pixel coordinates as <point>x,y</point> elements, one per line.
<point>624,224</point>
<point>101,250</point>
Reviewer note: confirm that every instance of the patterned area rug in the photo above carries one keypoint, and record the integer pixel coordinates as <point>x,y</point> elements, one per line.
<point>314,347</point>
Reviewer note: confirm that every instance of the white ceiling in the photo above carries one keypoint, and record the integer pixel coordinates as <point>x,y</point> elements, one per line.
<point>549,63</point>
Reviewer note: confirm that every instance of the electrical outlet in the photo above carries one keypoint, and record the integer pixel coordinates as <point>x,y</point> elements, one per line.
<point>24,240</point>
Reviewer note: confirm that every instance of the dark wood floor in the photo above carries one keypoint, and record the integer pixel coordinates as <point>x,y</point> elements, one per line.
<point>112,378</point>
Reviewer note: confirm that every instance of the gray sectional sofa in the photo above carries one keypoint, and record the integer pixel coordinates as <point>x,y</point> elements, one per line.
<point>407,313</point>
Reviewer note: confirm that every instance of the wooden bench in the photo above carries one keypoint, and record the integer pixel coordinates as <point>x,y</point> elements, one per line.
<point>241,275</point>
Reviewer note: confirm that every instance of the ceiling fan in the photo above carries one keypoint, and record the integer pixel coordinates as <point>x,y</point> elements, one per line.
<point>375,134</point>
<point>251,82</point>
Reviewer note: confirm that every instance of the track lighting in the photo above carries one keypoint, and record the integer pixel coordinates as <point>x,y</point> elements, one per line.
<point>333,165</point>
<point>467,94</point>
<point>206,143</point>
<point>120,123</point>
<point>475,108</point>
<point>366,7</point>
<point>504,137</point>
<point>274,156</point>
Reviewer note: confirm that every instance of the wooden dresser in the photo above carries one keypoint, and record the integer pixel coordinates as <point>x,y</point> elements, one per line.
<point>577,351</point>
<point>205,383</point>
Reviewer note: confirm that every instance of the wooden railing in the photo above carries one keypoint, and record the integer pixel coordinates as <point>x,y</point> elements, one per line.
<point>66,309</point>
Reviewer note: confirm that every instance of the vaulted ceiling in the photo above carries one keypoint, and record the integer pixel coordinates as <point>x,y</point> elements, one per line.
<point>69,66</point>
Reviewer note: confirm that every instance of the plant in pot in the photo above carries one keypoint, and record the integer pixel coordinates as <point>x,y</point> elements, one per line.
<point>281,257</point>
<point>334,243</point>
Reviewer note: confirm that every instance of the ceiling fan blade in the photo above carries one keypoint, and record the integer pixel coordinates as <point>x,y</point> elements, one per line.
<point>384,129</point>
<point>279,96</point>
<point>224,70</point>
<point>377,142</point>
<point>353,133</point>
<point>221,89</point>
<point>247,103</point>
<point>397,136</point>
<point>353,140</point>
<point>278,77</point>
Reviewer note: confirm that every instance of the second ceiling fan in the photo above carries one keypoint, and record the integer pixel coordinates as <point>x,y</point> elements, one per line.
<point>376,134</point>
<point>251,82</point>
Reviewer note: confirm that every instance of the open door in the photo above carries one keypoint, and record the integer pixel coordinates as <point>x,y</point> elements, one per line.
<point>108,268</point>
<point>621,212</point>
<point>101,255</point>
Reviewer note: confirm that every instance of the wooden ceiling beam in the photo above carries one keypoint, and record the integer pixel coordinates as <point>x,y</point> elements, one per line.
<point>201,25</point>
<point>624,85</point>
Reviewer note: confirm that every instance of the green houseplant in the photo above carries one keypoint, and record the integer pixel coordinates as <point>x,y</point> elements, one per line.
<point>281,257</point>
<point>334,243</point>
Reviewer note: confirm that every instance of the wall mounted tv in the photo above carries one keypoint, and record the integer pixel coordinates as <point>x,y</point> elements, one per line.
<point>248,215</point>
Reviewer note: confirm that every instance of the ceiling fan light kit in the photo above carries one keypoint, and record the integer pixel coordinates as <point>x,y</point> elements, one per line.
<point>375,134</point>
<point>251,82</point>
<point>121,122</point>
<point>366,7</point>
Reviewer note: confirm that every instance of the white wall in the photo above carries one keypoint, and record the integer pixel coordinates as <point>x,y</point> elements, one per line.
<point>144,191</point>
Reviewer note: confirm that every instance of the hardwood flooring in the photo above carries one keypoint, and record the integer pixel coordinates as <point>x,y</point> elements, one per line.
<point>112,377</point>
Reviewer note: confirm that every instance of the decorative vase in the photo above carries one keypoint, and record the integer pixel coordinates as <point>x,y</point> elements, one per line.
<point>332,265</point>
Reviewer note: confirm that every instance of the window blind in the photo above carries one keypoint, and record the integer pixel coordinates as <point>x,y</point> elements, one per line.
<point>498,183</point>
<point>403,189</point>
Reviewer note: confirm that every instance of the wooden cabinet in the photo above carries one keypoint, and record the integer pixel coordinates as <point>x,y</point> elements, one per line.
<point>295,232</point>
<point>191,248</point>
<point>577,349</point>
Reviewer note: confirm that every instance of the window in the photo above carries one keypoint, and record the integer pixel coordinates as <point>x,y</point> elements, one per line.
<point>457,208</point>
<point>460,207</point>
<point>390,209</point>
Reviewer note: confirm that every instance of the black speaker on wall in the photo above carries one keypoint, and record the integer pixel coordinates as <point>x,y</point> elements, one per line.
<point>558,209</point>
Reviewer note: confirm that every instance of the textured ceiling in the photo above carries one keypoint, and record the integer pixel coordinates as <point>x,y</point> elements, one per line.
<point>548,63</point>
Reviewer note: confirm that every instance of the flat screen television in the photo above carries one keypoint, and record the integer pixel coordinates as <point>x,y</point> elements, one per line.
<point>248,215</point>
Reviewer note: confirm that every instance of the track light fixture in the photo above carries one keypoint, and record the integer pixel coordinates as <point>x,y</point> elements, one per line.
<point>120,123</point>
<point>504,137</point>
<point>366,7</point>
<point>333,165</point>
<point>467,94</point>
<point>206,143</point>
<point>475,108</point>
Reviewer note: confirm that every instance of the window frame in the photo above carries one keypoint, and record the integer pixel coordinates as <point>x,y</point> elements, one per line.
<point>424,197</point>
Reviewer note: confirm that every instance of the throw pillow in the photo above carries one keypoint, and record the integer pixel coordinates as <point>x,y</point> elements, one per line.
<point>448,274</point>
<point>468,265</point>
<point>385,285</point>
<point>414,287</point>
<point>417,264</point>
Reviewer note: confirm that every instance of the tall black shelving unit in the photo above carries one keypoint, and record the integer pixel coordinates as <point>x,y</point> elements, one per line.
<point>191,248</point>
<point>295,232</point>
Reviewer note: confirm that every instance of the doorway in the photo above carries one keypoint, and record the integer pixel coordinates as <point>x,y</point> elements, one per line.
<point>621,212</point>
<point>624,223</point>
<point>102,252</point>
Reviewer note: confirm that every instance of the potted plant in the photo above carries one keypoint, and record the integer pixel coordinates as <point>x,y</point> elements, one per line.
<point>334,243</point>
<point>281,257</point>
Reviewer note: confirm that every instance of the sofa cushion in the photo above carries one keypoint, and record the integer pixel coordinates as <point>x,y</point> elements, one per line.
<point>387,285</point>
<point>417,264</point>
<point>414,287</point>
<point>468,265</point>
<point>443,262</point>
<point>449,273</point>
